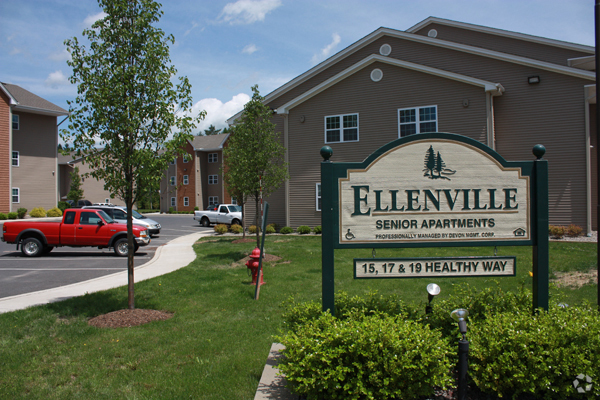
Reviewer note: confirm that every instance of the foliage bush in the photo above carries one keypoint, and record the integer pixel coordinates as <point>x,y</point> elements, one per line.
<point>13,215</point>
<point>253,229</point>
<point>63,205</point>
<point>236,228</point>
<point>21,212</point>
<point>317,230</point>
<point>3,216</point>
<point>275,226</point>
<point>196,208</point>
<point>540,355</point>
<point>574,230</point>
<point>221,228</point>
<point>270,229</point>
<point>557,232</point>
<point>54,212</point>
<point>171,210</point>
<point>303,229</point>
<point>365,357</point>
<point>286,230</point>
<point>38,212</point>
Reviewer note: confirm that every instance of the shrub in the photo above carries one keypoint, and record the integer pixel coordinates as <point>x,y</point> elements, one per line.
<point>538,355</point>
<point>38,212</point>
<point>196,208</point>
<point>275,226</point>
<point>221,229</point>
<point>63,205</point>
<point>3,216</point>
<point>13,215</point>
<point>236,228</point>
<point>253,229</point>
<point>303,229</point>
<point>557,232</point>
<point>574,230</point>
<point>286,230</point>
<point>21,212</point>
<point>171,210</point>
<point>270,229</point>
<point>54,212</point>
<point>317,230</point>
<point>365,357</point>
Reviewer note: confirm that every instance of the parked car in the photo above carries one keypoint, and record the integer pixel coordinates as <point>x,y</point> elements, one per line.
<point>229,214</point>
<point>80,203</point>
<point>78,228</point>
<point>119,214</point>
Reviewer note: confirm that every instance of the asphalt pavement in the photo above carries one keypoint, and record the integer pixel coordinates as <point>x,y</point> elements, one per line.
<point>69,272</point>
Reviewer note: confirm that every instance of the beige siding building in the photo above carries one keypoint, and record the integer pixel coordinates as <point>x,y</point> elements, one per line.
<point>507,90</point>
<point>28,150</point>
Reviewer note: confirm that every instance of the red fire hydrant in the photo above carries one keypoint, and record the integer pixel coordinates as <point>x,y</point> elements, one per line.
<point>252,264</point>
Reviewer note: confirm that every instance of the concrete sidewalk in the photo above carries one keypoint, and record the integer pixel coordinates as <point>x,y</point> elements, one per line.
<point>170,257</point>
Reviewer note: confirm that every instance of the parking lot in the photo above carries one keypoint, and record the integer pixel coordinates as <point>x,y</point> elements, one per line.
<point>67,265</point>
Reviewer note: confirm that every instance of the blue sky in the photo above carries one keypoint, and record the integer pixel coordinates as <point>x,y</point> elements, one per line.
<point>225,47</point>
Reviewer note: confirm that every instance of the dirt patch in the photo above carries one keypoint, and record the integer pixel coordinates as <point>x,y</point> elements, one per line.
<point>247,240</point>
<point>128,318</point>
<point>575,279</point>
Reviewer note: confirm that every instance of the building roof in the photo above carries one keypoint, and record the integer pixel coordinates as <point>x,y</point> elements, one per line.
<point>209,142</point>
<point>24,100</point>
<point>410,36</point>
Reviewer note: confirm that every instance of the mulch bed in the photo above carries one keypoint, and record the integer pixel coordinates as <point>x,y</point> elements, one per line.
<point>128,318</point>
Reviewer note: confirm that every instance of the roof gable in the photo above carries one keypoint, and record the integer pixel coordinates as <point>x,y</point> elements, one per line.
<point>24,100</point>
<point>209,142</point>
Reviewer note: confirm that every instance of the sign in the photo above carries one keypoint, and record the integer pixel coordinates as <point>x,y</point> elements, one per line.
<point>434,190</point>
<point>433,267</point>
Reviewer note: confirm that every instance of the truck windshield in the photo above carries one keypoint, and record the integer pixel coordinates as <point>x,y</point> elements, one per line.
<point>235,209</point>
<point>105,217</point>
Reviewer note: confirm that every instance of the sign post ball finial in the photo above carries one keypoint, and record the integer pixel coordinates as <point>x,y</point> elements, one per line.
<point>539,151</point>
<point>326,152</point>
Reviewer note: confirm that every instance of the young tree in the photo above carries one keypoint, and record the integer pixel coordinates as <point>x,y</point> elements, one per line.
<point>129,119</point>
<point>212,130</point>
<point>75,191</point>
<point>254,156</point>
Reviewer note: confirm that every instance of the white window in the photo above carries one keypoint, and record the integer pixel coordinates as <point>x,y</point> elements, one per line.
<point>185,159</point>
<point>15,122</point>
<point>341,128</point>
<point>16,197</point>
<point>417,120</point>
<point>213,157</point>
<point>15,158</point>
<point>173,202</point>
<point>234,200</point>
<point>172,181</point>
<point>213,200</point>
<point>213,179</point>
<point>172,162</point>
<point>186,179</point>
<point>318,196</point>
<point>186,201</point>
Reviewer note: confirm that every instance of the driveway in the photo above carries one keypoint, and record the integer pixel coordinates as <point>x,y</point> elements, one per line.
<point>66,265</point>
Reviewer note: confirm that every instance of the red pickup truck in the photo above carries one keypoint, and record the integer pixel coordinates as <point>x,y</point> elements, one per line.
<point>79,227</point>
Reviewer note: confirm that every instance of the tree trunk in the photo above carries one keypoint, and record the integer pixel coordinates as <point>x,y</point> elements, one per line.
<point>257,222</point>
<point>130,248</point>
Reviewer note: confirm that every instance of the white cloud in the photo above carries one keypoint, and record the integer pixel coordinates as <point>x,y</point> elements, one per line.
<point>218,112</point>
<point>251,48</point>
<point>56,79</point>
<point>327,50</point>
<point>63,55</point>
<point>194,25</point>
<point>89,21</point>
<point>248,11</point>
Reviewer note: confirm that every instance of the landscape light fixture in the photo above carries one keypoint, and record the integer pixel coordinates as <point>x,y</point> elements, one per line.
<point>432,291</point>
<point>459,315</point>
<point>533,79</point>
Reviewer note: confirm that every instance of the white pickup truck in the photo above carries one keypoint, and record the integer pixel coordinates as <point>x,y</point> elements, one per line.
<point>229,214</point>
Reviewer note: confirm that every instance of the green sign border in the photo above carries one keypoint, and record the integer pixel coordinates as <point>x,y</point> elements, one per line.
<point>537,170</point>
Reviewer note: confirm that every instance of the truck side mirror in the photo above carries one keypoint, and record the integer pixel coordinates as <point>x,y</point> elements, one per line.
<point>100,222</point>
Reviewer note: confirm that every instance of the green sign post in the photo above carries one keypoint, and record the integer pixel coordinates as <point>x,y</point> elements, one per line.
<point>435,190</point>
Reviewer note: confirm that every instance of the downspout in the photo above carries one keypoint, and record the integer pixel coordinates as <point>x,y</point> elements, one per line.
<point>10,170</point>
<point>588,160</point>
<point>287,160</point>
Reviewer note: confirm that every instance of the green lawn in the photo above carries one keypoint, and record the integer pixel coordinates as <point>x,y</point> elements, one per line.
<point>216,344</point>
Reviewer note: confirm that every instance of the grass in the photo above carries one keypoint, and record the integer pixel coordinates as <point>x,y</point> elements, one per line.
<point>216,344</point>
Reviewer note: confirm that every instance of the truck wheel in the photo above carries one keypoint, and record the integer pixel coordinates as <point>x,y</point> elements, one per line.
<point>205,222</point>
<point>236,222</point>
<point>120,247</point>
<point>31,247</point>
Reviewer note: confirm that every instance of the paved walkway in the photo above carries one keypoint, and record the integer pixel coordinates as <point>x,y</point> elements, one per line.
<point>170,257</point>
